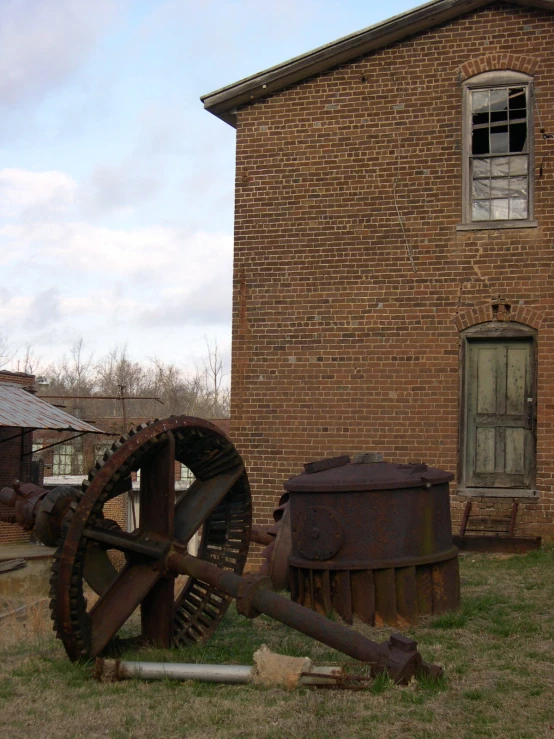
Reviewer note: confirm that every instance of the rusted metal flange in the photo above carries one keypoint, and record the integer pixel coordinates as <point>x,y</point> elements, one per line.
<point>248,588</point>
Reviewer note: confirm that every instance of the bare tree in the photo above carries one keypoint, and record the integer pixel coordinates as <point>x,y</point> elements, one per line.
<point>72,375</point>
<point>214,375</point>
<point>81,368</point>
<point>117,369</point>
<point>199,393</point>
<point>30,363</point>
<point>6,352</point>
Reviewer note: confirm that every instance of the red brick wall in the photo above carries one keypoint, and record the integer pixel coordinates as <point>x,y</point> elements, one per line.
<point>12,465</point>
<point>338,346</point>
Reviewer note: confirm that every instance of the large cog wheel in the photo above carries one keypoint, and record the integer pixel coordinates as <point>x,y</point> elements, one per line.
<point>218,503</point>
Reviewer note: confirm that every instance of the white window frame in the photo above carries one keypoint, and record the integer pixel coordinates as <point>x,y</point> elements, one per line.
<point>66,460</point>
<point>487,81</point>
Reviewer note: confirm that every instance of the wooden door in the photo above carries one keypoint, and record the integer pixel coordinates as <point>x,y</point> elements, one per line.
<point>500,448</point>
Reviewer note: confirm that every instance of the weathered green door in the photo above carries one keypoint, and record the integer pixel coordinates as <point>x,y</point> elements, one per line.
<point>500,450</point>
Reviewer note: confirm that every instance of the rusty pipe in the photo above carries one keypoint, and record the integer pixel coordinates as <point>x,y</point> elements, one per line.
<point>398,657</point>
<point>24,499</point>
<point>259,535</point>
<point>8,497</point>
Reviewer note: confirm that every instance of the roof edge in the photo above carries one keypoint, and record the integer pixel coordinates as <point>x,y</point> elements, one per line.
<point>20,408</point>
<point>224,102</point>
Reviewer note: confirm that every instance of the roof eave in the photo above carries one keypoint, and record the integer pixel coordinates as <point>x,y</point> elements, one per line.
<point>224,102</point>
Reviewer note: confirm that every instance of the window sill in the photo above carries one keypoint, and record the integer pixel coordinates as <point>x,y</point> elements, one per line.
<point>488,225</point>
<point>498,492</point>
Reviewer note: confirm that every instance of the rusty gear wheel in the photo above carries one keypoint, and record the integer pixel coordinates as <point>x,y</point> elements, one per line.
<point>218,503</point>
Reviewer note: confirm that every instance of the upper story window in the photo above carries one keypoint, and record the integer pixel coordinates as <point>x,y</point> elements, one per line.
<point>498,150</point>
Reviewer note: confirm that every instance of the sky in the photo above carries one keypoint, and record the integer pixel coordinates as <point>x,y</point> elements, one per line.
<point>116,186</point>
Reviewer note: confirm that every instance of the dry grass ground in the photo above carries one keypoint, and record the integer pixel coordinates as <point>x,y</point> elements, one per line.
<point>497,651</point>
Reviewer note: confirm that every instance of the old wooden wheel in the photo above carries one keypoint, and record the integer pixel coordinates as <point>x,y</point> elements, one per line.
<point>218,503</point>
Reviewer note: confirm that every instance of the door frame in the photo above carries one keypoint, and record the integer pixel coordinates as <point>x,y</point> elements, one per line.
<point>499,330</point>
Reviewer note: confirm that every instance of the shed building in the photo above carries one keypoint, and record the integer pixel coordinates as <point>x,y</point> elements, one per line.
<point>21,413</point>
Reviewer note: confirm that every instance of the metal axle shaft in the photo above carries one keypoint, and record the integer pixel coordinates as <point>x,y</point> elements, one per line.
<point>398,657</point>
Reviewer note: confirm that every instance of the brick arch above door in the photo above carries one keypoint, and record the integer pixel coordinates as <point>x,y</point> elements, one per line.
<point>498,310</point>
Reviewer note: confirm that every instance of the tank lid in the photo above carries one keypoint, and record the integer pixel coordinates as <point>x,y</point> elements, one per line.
<point>359,477</point>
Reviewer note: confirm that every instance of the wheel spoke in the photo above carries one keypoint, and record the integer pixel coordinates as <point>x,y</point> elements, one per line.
<point>99,572</point>
<point>196,505</point>
<point>157,613</point>
<point>157,491</point>
<point>126,542</point>
<point>124,595</point>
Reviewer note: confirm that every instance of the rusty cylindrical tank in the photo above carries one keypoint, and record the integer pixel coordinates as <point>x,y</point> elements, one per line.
<point>373,540</point>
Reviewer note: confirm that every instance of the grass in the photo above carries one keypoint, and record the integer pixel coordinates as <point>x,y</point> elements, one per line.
<point>497,652</point>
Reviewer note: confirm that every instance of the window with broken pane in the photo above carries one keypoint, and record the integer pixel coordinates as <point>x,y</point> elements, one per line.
<point>67,460</point>
<point>499,158</point>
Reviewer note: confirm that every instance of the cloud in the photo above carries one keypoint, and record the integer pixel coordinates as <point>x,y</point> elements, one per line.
<point>44,309</point>
<point>162,129</point>
<point>209,303</point>
<point>141,173</point>
<point>68,277</point>
<point>116,187</point>
<point>153,264</point>
<point>157,254</point>
<point>33,194</point>
<point>226,30</point>
<point>44,41</point>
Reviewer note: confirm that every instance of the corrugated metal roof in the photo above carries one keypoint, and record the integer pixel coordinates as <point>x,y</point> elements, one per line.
<point>22,409</point>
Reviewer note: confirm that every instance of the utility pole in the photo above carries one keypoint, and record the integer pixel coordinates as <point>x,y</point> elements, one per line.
<point>123,409</point>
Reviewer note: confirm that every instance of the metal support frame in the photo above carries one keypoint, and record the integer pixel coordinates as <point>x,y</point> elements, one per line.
<point>64,441</point>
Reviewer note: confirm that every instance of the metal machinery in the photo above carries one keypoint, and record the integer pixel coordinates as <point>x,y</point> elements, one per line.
<point>278,540</point>
<point>151,558</point>
<point>33,507</point>
<point>373,539</point>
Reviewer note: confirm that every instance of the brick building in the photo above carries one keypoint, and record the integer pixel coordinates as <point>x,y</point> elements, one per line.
<point>393,278</point>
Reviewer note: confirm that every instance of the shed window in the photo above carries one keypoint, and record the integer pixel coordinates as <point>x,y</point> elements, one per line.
<point>498,150</point>
<point>67,460</point>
